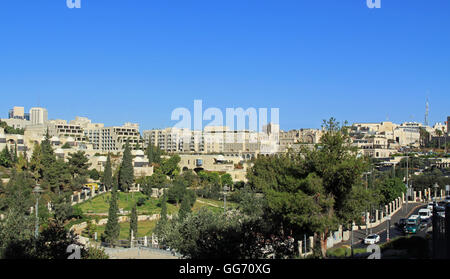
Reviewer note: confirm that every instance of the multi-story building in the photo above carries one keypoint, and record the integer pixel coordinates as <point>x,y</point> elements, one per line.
<point>38,116</point>
<point>62,129</point>
<point>303,136</point>
<point>17,118</point>
<point>18,113</point>
<point>215,140</point>
<point>233,165</point>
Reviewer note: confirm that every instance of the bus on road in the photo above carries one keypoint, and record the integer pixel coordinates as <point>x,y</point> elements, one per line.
<point>413,224</point>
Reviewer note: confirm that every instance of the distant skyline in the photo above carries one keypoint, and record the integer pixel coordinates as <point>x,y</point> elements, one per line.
<point>117,61</point>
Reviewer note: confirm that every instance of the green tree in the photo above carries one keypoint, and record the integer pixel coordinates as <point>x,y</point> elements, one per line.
<point>226,179</point>
<point>162,222</point>
<point>153,153</point>
<point>185,208</point>
<point>48,156</point>
<point>94,174</point>
<point>210,235</point>
<point>390,189</point>
<point>66,146</point>
<point>126,173</point>
<point>170,166</point>
<point>157,180</point>
<point>112,229</point>
<point>5,158</point>
<point>57,177</point>
<point>22,163</point>
<point>62,208</point>
<point>133,222</point>
<point>18,224</point>
<point>176,192</point>
<point>307,192</point>
<point>36,162</point>
<point>107,174</point>
<point>78,164</point>
<point>14,155</point>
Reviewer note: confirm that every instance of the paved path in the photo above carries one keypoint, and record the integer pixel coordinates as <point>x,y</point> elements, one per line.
<point>208,203</point>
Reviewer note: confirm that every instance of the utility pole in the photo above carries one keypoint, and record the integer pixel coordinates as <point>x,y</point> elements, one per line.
<point>388,226</point>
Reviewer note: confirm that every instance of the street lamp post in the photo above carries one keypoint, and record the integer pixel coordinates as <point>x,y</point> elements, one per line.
<point>436,186</point>
<point>37,190</point>
<point>388,218</point>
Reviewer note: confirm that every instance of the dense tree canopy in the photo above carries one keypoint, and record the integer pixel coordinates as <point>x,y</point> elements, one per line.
<point>78,164</point>
<point>309,192</point>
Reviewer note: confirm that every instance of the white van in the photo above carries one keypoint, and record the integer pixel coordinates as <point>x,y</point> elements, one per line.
<point>425,213</point>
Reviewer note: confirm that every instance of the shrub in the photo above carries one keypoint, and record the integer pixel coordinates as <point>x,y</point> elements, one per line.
<point>141,201</point>
<point>77,213</point>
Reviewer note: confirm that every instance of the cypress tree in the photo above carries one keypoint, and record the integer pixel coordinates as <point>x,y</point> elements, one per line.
<point>36,162</point>
<point>48,156</point>
<point>112,229</point>
<point>163,216</point>
<point>185,207</point>
<point>126,173</point>
<point>133,221</point>
<point>107,174</point>
<point>150,154</point>
<point>14,154</point>
<point>164,208</point>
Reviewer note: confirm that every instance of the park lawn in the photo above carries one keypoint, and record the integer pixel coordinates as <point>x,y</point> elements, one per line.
<point>145,228</point>
<point>202,202</point>
<point>100,204</point>
<point>219,203</point>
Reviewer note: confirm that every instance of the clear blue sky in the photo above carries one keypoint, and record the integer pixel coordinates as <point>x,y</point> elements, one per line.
<point>118,61</point>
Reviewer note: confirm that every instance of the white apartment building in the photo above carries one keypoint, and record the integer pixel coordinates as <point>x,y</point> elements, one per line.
<point>38,116</point>
<point>214,139</point>
<point>108,139</point>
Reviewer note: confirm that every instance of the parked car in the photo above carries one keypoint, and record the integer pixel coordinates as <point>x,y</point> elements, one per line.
<point>372,239</point>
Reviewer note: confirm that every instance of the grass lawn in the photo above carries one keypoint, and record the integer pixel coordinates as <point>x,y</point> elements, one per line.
<point>100,204</point>
<point>145,228</point>
<point>218,205</point>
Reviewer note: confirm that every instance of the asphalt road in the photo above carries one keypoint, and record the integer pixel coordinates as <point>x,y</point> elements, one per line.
<point>405,212</point>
